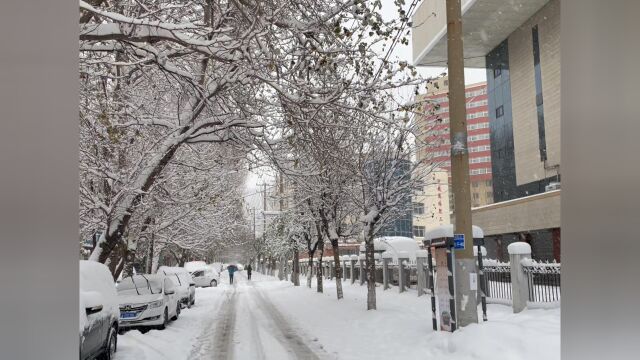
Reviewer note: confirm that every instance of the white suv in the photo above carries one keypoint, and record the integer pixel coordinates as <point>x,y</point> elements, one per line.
<point>147,301</point>
<point>186,287</point>
<point>206,277</point>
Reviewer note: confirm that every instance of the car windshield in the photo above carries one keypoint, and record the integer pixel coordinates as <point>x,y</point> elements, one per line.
<point>139,285</point>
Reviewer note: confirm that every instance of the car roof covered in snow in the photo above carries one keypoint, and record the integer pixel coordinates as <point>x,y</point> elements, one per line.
<point>171,270</point>
<point>192,266</point>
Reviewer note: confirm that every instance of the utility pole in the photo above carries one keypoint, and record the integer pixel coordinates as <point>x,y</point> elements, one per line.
<point>264,209</point>
<point>465,266</point>
<point>254,224</point>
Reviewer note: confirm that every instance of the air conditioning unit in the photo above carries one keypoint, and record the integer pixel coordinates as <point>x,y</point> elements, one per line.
<point>552,186</point>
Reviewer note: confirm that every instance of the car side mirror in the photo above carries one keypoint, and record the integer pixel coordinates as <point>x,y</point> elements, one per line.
<point>169,292</point>
<point>92,301</point>
<point>94,309</point>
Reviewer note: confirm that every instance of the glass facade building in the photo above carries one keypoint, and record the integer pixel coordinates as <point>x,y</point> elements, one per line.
<point>400,222</point>
<point>503,163</point>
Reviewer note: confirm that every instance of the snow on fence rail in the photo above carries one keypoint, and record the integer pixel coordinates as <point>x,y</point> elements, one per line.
<point>497,279</point>
<point>543,279</point>
<point>541,283</point>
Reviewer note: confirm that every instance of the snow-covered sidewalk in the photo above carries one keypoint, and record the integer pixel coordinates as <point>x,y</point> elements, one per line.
<point>401,327</point>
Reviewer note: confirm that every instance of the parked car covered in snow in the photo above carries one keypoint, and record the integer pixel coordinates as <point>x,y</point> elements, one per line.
<point>147,301</point>
<point>99,312</point>
<point>186,287</point>
<point>203,275</point>
<point>206,277</point>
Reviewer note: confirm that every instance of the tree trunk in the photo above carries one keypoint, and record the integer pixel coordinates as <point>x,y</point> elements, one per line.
<point>338,268</point>
<point>319,288</point>
<point>155,260</point>
<point>371,272</point>
<point>184,255</point>
<point>129,258</point>
<point>150,256</point>
<point>310,274</point>
<point>295,273</point>
<point>119,269</point>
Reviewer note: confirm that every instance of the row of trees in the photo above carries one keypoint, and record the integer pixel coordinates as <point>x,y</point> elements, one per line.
<point>350,175</point>
<point>180,98</point>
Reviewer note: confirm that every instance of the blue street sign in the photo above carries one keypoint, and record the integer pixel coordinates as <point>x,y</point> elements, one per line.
<point>458,241</point>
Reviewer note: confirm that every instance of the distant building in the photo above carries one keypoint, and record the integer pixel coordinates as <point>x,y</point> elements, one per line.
<point>431,203</point>
<point>434,130</point>
<point>402,218</point>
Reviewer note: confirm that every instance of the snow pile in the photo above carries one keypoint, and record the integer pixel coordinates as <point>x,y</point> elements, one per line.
<point>401,327</point>
<point>519,248</point>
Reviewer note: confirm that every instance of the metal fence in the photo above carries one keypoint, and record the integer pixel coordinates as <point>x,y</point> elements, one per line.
<point>544,280</point>
<point>497,278</point>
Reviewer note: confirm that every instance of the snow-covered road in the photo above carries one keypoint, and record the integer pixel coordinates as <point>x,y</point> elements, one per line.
<point>236,321</point>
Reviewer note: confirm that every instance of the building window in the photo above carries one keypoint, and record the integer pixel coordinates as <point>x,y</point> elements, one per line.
<point>418,208</point>
<point>418,231</point>
<point>497,71</point>
<point>499,111</point>
<point>489,195</point>
<point>476,196</point>
<point>488,182</point>
<point>542,142</point>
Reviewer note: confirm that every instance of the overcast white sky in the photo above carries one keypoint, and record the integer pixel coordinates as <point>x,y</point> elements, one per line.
<point>401,52</point>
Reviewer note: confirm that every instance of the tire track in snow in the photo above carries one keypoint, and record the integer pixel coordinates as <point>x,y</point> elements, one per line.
<point>223,344</point>
<point>215,341</point>
<point>289,337</point>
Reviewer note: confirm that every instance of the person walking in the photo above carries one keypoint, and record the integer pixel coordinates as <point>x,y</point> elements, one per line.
<point>249,271</point>
<point>231,269</point>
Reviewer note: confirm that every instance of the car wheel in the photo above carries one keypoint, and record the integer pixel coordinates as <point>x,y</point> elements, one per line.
<point>214,283</point>
<point>177,313</point>
<point>189,303</point>
<point>166,319</point>
<point>111,346</point>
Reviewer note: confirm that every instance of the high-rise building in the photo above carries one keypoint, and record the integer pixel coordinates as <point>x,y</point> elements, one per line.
<point>518,43</point>
<point>435,146</point>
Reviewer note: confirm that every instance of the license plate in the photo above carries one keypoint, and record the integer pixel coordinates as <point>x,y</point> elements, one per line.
<point>128,315</point>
